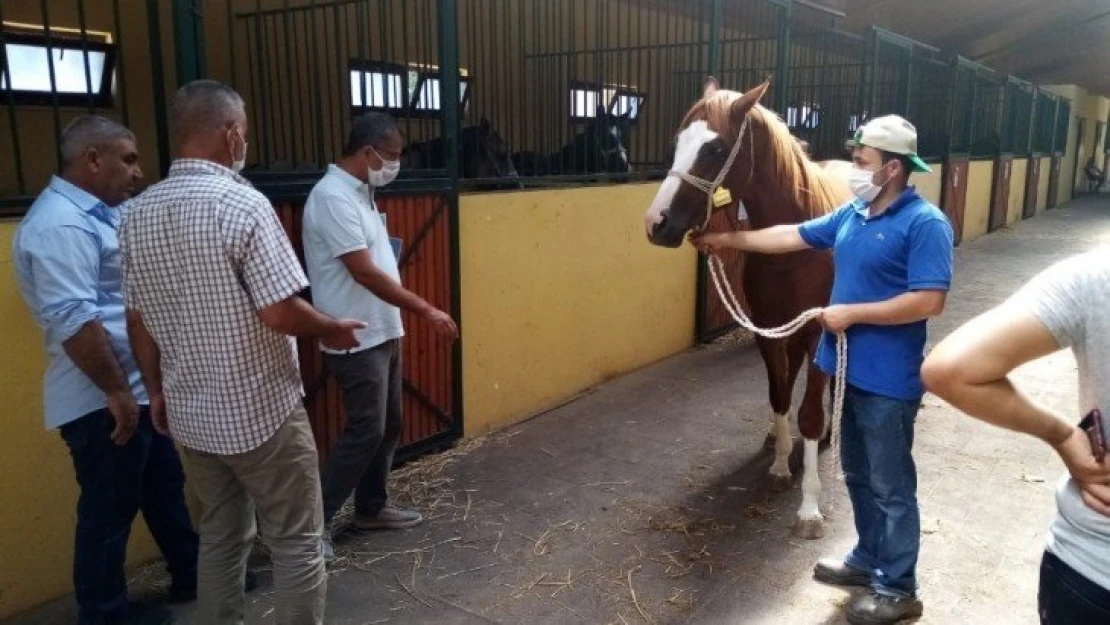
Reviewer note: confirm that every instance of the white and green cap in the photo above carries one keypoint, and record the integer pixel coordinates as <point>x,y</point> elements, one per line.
<point>893,134</point>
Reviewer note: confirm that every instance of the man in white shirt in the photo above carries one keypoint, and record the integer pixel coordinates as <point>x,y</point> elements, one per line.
<point>354,274</point>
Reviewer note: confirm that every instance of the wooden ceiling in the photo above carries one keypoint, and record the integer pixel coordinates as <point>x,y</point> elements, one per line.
<point>1046,41</point>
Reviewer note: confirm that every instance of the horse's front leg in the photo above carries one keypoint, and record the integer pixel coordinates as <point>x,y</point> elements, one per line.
<point>781,374</point>
<point>810,523</point>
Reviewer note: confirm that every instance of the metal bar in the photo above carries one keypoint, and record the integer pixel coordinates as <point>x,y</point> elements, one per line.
<point>449,83</point>
<point>359,16</point>
<point>119,61</point>
<point>158,82</point>
<point>82,26</point>
<point>315,71</point>
<point>782,88</point>
<point>293,121</point>
<point>53,84</point>
<point>231,46</point>
<point>343,95</point>
<point>17,151</point>
<point>715,20</point>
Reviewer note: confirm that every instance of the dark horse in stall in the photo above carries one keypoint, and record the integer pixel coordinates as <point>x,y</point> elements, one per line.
<point>483,153</point>
<point>778,184</point>
<point>599,149</point>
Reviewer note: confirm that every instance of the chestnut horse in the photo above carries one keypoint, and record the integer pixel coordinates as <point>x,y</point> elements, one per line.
<point>778,184</point>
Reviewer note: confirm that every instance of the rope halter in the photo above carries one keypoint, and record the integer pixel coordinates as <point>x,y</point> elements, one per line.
<point>716,196</point>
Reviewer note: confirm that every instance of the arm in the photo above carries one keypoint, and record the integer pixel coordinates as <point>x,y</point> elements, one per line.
<point>65,267</point>
<point>906,308</point>
<point>294,316</point>
<point>970,370</point>
<point>383,286</point>
<point>149,359</point>
<point>774,240</point>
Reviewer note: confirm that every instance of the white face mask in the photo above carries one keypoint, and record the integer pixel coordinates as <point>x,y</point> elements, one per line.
<point>860,180</point>
<point>237,164</point>
<point>385,175</point>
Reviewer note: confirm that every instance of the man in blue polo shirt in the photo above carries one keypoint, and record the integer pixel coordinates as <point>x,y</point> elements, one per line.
<point>893,257</point>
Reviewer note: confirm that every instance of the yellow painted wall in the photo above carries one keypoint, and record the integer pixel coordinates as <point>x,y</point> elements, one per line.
<point>930,185</point>
<point>1042,184</point>
<point>1018,172</point>
<point>37,486</point>
<point>978,206</point>
<point>561,291</point>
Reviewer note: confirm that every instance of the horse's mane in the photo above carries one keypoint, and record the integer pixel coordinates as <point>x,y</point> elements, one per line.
<point>812,190</point>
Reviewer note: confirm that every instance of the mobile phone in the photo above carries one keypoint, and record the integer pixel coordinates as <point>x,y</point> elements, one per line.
<point>1096,433</point>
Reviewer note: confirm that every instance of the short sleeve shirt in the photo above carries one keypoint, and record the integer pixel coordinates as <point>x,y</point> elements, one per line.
<point>203,252</point>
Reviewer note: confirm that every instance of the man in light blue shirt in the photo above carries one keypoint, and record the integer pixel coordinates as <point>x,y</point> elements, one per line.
<point>67,262</point>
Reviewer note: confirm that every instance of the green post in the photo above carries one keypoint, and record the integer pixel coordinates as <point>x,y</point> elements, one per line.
<point>188,33</point>
<point>158,79</point>
<point>782,68</point>
<point>449,83</point>
<point>715,38</point>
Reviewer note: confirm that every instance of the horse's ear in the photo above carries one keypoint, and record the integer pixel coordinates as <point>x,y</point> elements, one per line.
<point>711,87</point>
<point>602,112</point>
<point>746,102</point>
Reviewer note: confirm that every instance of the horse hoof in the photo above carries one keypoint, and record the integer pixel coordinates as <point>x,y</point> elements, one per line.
<point>781,483</point>
<point>769,442</point>
<point>809,529</point>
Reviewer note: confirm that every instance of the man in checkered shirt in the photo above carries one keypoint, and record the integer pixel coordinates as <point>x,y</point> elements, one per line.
<point>211,284</point>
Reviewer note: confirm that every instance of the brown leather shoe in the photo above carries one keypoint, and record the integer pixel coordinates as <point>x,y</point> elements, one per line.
<point>876,609</point>
<point>837,573</point>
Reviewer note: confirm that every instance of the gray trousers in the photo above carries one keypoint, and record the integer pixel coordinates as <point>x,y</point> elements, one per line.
<point>279,479</point>
<point>360,461</point>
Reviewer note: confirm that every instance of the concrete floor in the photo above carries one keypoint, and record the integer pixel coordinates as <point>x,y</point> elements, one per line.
<point>646,499</point>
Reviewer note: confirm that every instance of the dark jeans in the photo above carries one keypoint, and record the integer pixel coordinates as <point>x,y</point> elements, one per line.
<point>875,444</point>
<point>1068,598</point>
<point>360,461</point>
<point>116,483</point>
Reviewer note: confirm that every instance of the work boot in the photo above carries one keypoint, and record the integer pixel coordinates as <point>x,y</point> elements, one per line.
<point>388,518</point>
<point>837,573</point>
<point>876,609</point>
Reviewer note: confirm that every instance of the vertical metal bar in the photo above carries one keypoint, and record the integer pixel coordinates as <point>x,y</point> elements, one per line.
<point>17,151</point>
<point>254,78</point>
<point>261,104</point>
<point>231,45</point>
<point>449,84</point>
<point>82,26</point>
<point>315,71</point>
<point>782,80</point>
<point>279,77</point>
<point>119,62</point>
<point>293,121</point>
<point>158,83</point>
<point>53,84</point>
<point>188,40</point>
<point>342,70</point>
<point>715,18</point>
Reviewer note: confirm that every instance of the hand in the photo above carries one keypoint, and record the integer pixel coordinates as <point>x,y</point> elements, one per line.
<point>342,336</point>
<point>708,242</point>
<point>442,323</point>
<point>837,319</point>
<point>158,413</point>
<point>1092,477</point>
<point>122,406</point>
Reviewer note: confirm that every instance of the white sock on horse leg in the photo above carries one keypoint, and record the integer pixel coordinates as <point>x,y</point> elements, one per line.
<point>811,484</point>
<point>783,445</point>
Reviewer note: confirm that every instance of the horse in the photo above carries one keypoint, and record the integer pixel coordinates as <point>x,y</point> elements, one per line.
<point>778,184</point>
<point>483,153</point>
<point>598,149</point>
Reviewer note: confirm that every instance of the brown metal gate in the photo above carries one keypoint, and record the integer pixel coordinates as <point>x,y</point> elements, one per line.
<point>954,197</point>
<point>1000,192</point>
<point>426,223</point>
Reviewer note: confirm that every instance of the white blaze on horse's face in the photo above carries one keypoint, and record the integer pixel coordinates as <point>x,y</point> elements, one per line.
<point>686,152</point>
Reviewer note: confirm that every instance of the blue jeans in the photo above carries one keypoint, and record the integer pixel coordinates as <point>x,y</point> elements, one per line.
<point>875,451</point>
<point>116,483</point>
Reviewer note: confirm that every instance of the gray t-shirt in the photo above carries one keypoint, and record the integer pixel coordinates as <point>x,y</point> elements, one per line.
<point>1072,299</point>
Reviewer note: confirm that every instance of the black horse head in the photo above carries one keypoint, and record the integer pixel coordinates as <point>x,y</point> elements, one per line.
<point>483,153</point>
<point>600,147</point>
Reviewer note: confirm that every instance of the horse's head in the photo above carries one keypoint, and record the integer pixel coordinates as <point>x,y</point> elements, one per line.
<point>487,153</point>
<point>704,144</point>
<point>609,132</point>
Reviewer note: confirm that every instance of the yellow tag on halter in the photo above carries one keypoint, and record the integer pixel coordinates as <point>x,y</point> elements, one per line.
<point>721,197</point>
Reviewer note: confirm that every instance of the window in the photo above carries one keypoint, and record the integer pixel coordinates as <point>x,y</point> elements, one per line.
<point>805,116</point>
<point>426,92</point>
<point>586,99</point>
<point>28,56</point>
<point>377,87</point>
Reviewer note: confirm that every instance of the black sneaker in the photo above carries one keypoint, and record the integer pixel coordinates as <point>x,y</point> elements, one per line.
<point>837,573</point>
<point>876,609</point>
<point>186,594</point>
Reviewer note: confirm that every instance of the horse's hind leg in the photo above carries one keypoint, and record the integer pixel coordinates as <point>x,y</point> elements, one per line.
<point>812,423</point>
<point>782,371</point>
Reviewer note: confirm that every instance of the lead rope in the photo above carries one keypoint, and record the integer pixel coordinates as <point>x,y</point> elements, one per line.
<point>717,273</point>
